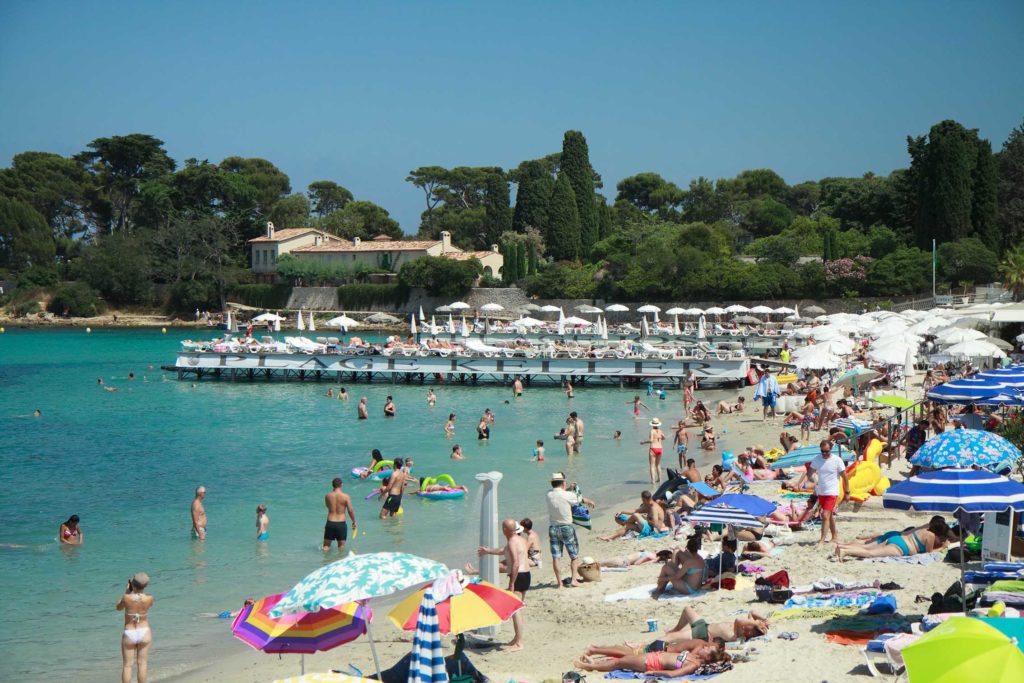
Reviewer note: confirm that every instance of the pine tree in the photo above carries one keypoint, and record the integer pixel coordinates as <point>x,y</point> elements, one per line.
<point>563,235</point>
<point>532,197</point>
<point>497,212</point>
<point>575,163</point>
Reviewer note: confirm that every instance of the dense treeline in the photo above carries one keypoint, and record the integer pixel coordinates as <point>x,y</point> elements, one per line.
<point>121,220</point>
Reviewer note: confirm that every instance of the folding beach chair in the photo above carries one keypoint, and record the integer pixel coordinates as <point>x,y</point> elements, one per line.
<point>876,654</point>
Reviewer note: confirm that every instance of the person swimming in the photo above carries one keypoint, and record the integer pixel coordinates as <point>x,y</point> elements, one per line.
<point>262,522</point>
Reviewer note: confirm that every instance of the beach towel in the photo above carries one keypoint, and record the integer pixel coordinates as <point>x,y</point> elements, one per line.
<point>922,559</point>
<point>849,599</point>
<point>814,613</point>
<point>1008,586</point>
<point>702,673</point>
<point>644,593</point>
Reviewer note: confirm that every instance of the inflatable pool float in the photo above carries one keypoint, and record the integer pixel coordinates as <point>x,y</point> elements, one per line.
<point>442,480</point>
<point>380,471</point>
<point>865,476</point>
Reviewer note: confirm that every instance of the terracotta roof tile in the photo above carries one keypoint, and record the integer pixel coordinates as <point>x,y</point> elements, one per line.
<point>289,233</point>
<point>373,245</point>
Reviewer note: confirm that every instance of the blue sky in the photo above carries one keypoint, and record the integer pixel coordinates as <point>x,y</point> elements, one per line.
<point>361,93</point>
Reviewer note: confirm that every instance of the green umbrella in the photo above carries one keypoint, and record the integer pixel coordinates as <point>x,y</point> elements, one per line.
<point>964,650</point>
<point>893,401</point>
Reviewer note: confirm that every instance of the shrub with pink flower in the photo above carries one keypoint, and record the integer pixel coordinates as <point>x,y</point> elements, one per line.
<point>847,270</point>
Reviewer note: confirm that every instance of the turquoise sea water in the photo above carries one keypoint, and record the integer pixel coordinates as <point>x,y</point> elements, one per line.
<point>127,462</point>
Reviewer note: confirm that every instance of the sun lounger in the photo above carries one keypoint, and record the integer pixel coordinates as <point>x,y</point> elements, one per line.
<point>886,649</point>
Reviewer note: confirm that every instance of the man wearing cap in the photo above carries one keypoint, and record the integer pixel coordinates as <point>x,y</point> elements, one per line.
<point>656,439</point>
<point>561,532</point>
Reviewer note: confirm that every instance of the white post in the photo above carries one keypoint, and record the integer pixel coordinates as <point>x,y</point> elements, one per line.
<point>489,533</point>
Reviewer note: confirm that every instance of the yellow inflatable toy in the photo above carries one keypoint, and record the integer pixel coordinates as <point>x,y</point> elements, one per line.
<point>786,379</point>
<point>865,476</point>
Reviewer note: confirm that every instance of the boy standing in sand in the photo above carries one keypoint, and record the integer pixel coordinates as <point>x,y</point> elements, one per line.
<point>517,565</point>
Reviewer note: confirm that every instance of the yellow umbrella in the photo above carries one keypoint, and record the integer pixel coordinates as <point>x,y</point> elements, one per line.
<point>480,604</point>
<point>964,650</point>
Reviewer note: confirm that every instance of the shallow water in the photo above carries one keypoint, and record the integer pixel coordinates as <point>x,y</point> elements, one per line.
<point>127,462</point>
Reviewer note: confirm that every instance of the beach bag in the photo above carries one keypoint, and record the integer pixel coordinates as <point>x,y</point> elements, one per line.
<point>779,579</point>
<point>780,596</point>
<point>883,604</point>
<point>590,572</point>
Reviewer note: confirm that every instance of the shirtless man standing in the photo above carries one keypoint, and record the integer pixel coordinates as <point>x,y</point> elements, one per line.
<point>579,431</point>
<point>396,486</point>
<point>517,387</point>
<point>517,565</point>
<point>363,414</point>
<point>199,515</point>
<point>338,505</point>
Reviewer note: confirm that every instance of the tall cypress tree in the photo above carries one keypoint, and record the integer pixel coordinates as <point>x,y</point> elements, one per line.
<point>1011,188</point>
<point>575,163</point>
<point>942,165</point>
<point>604,217</point>
<point>497,212</point>
<point>535,187</point>
<point>985,205</point>
<point>563,234</point>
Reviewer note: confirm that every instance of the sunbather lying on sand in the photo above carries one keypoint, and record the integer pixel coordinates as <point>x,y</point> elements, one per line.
<point>627,649</point>
<point>637,558</point>
<point>692,625</point>
<point>664,664</point>
<point>900,543</point>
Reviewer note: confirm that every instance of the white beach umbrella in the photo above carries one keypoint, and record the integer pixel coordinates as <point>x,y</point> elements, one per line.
<point>277,325</point>
<point>267,317</point>
<point>675,310</point>
<point>343,321</point>
<point>465,327</point>
<point>443,309</point>
<point>975,348</point>
<point>299,324</point>
<point>433,325</point>
<point>675,325</point>
<point>551,309</point>
<point>648,308</point>
<point>737,308</point>
<point>423,318</point>
<point>894,353</point>
<point>451,325</point>
<point>761,310</point>
<point>459,306</point>
<point>588,309</point>
<point>527,321</point>
<point>694,311</point>
<point>715,310</point>
<point>783,310</point>
<point>604,329</point>
<point>645,330</point>
<point>412,325</point>
<point>616,308</point>
<point>957,335</point>
<point>573,320</point>
<point>312,323</point>
<point>702,328</point>
<point>817,357</point>
<point>492,308</point>
<point>821,318</point>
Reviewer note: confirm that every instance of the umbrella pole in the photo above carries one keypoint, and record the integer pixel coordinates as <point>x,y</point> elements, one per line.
<point>373,647</point>
<point>302,665</point>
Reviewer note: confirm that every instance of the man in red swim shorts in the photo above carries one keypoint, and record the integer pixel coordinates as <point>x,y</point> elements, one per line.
<point>828,470</point>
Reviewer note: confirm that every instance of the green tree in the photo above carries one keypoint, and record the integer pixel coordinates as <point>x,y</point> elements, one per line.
<point>563,236</point>
<point>604,216</point>
<point>328,196</point>
<point>575,164</point>
<point>120,164</point>
<point>118,266</point>
<point>53,185</point>
<point>291,212</point>
<point>1012,270</point>
<point>779,249</point>
<point>905,270</point>
<point>1011,189</point>
<point>497,212</point>
<point>429,179</point>
<point>948,184</point>
<point>197,255</point>
<point>967,260</point>
<point>26,241</point>
<point>984,199</point>
<point>651,193</point>
<point>882,241</point>
<point>440,276</point>
<point>268,182</point>
<point>702,203</point>
<point>532,196</point>
<point>766,216</point>
<point>362,219</point>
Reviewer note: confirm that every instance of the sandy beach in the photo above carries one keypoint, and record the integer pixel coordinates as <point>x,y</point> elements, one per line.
<point>561,623</point>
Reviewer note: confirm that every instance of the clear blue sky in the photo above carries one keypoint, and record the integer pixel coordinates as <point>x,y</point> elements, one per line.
<point>361,93</point>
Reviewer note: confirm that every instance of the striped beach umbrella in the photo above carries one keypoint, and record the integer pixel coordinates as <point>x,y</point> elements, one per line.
<point>325,677</point>
<point>755,505</point>
<point>955,489</point>
<point>479,605</point>
<point>967,390</point>
<point>965,448</point>
<point>724,514</point>
<point>427,663</point>
<point>298,633</point>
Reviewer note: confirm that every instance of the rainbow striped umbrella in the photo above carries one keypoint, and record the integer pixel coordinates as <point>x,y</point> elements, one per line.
<point>299,633</point>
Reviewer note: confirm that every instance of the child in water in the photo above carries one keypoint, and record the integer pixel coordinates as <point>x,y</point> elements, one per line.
<point>538,452</point>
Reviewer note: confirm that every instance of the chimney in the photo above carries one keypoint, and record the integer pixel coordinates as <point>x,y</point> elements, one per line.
<point>494,248</point>
<point>356,241</point>
<point>446,241</point>
<point>317,240</point>
<point>270,230</point>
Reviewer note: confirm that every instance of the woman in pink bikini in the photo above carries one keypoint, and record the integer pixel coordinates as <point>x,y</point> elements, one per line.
<point>659,662</point>
<point>71,532</point>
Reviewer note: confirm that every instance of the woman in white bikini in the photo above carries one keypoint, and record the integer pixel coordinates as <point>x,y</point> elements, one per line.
<point>137,637</point>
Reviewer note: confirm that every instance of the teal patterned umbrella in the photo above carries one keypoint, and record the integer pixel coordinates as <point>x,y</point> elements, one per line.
<point>359,578</point>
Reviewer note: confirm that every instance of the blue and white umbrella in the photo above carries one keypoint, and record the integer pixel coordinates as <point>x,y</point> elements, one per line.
<point>967,390</point>
<point>853,424</point>
<point>965,448</point>
<point>955,489</point>
<point>754,505</point>
<point>724,514</point>
<point>803,455</point>
<point>1012,376</point>
<point>427,662</point>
